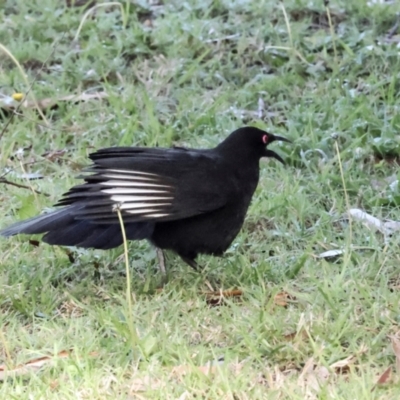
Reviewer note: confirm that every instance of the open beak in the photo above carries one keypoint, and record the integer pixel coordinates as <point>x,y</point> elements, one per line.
<point>270,153</point>
<point>281,139</point>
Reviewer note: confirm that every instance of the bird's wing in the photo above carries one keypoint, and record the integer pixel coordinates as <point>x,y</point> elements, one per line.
<point>149,185</point>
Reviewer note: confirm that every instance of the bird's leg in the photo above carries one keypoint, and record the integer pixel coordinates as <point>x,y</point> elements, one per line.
<point>161,262</point>
<point>191,262</point>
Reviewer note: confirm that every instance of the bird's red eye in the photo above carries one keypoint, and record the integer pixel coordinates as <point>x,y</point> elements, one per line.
<point>265,139</point>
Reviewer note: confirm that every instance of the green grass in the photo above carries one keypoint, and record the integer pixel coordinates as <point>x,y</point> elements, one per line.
<point>188,73</point>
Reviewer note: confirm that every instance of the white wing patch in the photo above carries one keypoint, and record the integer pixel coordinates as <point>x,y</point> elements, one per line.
<point>129,206</point>
<point>122,198</point>
<point>133,191</point>
<point>132,183</point>
<point>139,193</point>
<point>126,171</point>
<point>136,178</point>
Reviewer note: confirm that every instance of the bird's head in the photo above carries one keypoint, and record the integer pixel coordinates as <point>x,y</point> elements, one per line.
<point>254,141</point>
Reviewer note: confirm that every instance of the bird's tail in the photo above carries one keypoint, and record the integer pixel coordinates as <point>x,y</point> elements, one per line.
<point>62,228</point>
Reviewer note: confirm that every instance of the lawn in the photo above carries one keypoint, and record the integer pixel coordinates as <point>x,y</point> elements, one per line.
<point>187,73</point>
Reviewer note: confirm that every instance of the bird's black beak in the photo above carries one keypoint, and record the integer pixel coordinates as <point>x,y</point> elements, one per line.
<point>281,139</point>
<point>270,153</point>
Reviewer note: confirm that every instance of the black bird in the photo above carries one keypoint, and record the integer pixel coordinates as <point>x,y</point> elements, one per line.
<point>186,200</point>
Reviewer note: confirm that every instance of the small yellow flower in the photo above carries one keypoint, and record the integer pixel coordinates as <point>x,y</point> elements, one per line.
<point>18,96</point>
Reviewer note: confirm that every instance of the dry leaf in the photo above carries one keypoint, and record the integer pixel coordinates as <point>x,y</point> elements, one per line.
<point>283,299</point>
<point>54,384</point>
<point>217,298</point>
<point>367,219</point>
<point>70,309</point>
<point>291,336</point>
<point>34,365</point>
<point>342,366</point>
<point>384,378</point>
<point>387,228</point>
<point>54,155</point>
